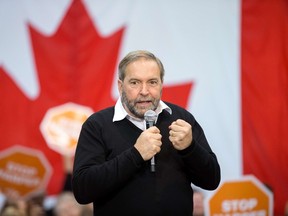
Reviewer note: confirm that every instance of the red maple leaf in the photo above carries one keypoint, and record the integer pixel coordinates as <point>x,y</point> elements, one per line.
<point>75,65</point>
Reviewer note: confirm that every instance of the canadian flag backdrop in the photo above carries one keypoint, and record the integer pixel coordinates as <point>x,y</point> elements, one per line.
<point>226,61</point>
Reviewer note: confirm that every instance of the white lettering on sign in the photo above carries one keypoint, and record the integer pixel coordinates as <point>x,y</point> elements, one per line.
<point>20,174</point>
<point>239,205</point>
<point>21,169</point>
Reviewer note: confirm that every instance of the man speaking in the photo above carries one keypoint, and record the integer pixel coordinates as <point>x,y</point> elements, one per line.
<point>112,166</point>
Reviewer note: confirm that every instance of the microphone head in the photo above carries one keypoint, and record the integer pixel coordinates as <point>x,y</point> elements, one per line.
<point>150,116</point>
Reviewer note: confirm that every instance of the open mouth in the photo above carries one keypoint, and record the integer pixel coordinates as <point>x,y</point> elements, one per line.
<point>144,103</point>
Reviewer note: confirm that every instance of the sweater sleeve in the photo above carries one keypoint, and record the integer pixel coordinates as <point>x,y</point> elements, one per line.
<point>201,162</point>
<point>95,177</point>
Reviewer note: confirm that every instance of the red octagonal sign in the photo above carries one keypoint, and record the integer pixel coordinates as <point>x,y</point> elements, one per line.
<point>23,171</point>
<point>243,197</point>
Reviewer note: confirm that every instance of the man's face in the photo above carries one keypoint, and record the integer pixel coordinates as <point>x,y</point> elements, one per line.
<point>141,88</point>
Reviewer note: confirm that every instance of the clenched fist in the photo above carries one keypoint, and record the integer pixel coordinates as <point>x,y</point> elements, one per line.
<point>149,143</point>
<point>180,134</point>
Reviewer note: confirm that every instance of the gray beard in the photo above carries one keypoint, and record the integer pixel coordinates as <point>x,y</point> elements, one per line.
<point>130,105</point>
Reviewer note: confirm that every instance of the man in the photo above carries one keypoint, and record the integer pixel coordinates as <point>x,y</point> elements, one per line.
<point>112,160</point>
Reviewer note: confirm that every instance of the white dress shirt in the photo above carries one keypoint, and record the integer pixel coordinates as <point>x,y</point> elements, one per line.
<point>121,113</point>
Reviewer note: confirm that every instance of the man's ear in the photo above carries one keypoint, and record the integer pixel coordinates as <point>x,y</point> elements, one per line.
<point>120,84</point>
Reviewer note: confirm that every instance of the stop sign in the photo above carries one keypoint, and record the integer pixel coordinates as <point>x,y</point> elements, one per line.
<point>246,196</point>
<point>61,126</point>
<point>23,171</point>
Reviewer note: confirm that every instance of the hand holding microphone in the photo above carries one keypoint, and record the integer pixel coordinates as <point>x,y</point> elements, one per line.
<point>149,142</point>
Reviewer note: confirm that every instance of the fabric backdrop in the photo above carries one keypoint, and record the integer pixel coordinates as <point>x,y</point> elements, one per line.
<point>225,61</point>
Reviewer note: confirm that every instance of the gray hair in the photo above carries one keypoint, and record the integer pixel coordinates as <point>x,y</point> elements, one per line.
<point>136,55</point>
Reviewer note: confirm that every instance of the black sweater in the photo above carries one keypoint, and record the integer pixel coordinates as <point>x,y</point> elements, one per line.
<point>110,172</point>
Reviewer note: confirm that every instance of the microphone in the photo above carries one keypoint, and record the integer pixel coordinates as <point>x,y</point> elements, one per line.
<point>150,117</point>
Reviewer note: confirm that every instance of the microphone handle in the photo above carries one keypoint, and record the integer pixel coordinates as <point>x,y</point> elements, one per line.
<point>153,164</point>
<point>153,167</point>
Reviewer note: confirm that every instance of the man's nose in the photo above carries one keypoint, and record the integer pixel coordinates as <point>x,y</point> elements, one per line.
<point>144,89</point>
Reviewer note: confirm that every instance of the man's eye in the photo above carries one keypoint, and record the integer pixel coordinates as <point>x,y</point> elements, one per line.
<point>134,83</point>
<point>153,82</point>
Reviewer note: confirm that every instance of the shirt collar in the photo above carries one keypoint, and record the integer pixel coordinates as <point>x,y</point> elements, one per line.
<point>120,113</point>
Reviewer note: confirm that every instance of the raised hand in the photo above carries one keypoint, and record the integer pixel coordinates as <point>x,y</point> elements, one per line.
<point>180,134</point>
<point>149,143</point>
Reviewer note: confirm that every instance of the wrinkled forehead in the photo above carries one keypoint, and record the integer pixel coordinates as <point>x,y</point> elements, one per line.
<point>143,68</point>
